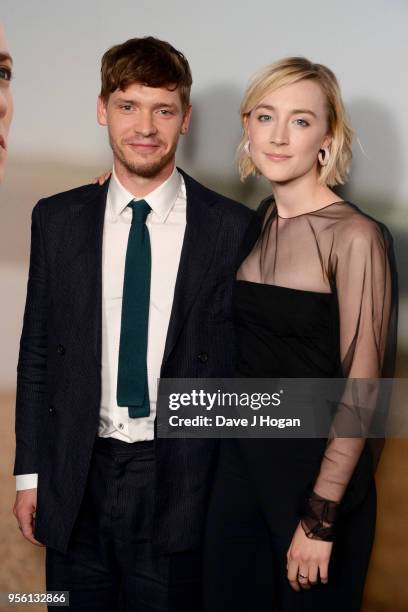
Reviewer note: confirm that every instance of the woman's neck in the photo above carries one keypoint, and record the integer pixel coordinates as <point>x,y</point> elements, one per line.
<point>301,196</point>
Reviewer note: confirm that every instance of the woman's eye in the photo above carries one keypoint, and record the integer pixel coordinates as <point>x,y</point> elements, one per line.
<point>5,73</point>
<point>264,118</point>
<point>301,122</point>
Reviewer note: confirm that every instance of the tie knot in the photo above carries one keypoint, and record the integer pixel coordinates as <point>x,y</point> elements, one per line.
<point>140,210</point>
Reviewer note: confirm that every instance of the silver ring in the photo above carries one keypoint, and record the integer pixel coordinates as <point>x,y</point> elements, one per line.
<point>304,577</point>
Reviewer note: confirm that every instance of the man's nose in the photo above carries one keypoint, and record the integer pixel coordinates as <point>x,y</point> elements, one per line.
<point>146,125</point>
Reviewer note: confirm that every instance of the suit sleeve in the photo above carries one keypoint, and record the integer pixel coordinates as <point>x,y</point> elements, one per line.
<point>250,236</point>
<point>32,362</point>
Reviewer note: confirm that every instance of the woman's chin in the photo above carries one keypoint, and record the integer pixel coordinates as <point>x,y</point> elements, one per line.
<point>278,177</point>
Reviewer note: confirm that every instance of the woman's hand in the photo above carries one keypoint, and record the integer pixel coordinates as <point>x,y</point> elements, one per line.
<point>307,559</point>
<point>102,178</point>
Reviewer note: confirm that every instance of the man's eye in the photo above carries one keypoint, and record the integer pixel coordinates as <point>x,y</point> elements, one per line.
<point>5,73</point>
<point>125,107</point>
<point>165,111</point>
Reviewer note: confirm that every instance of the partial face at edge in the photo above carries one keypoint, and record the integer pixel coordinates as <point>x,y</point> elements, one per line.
<point>286,131</point>
<point>6,101</point>
<point>144,125</point>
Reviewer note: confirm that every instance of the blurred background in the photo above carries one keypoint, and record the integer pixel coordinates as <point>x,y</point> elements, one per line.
<point>56,144</point>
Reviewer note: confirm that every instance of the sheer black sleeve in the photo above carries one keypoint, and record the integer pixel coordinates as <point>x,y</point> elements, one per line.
<point>363,268</point>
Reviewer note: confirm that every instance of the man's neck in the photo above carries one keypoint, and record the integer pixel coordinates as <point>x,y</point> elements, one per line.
<point>140,186</point>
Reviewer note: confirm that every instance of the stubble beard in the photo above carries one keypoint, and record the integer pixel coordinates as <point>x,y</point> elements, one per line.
<point>146,170</point>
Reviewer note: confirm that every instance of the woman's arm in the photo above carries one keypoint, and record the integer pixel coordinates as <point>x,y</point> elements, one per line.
<point>366,285</point>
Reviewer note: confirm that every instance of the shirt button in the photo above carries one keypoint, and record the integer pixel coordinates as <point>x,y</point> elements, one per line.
<point>121,425</point>
<point>203,357</point>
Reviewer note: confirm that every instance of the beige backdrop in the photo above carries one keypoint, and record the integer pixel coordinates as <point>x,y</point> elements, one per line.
<point>57,145</point>
<point>22,564</point>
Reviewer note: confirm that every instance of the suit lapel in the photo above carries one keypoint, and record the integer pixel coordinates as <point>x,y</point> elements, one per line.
<point>80,259</point>
<point>203,223</point>
<point>79,262</point>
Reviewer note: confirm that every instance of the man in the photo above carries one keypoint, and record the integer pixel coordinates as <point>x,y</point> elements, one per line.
<point>6,101</point>
<point>128,281</point>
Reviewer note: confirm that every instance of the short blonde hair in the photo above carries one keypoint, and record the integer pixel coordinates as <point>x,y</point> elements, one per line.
<point>285,72</point>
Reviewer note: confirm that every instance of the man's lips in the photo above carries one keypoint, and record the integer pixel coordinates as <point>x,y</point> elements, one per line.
<point>142,145</point>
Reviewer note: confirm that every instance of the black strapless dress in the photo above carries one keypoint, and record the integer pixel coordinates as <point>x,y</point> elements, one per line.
<point>316,298</point>
<point>290,333</point>
<point>284,332</point>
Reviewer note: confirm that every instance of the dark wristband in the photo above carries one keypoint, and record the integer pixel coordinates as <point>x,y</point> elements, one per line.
<point>319,517</point>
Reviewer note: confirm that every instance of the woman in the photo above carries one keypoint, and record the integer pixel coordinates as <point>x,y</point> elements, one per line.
<point>291,521</point>
<point>6,101</point>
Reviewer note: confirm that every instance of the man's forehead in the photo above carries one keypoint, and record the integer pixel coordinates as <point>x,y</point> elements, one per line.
<point>169,91</point>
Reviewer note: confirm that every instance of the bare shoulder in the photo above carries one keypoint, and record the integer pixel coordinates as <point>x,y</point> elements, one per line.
<point>358,229</point>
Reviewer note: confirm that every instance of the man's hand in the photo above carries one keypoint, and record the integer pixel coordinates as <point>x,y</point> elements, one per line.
<point>308,560</point>
<point>102,178</point>
<point>24,509</point>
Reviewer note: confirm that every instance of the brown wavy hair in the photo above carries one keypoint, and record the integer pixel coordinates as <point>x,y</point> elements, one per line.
<point>149,61</point>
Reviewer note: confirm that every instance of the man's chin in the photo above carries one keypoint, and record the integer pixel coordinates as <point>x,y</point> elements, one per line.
<point>147,169</point>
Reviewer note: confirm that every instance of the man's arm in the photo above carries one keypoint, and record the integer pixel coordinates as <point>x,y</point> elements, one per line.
<point>250,236</point>
<point>24,510</point>
<point>26,481</point>
<point>31,372</point>
<point>32,362</point>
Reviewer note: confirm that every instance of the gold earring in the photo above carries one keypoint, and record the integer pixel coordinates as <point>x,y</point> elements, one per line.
<point>323,156</point>
<point>247,148</point>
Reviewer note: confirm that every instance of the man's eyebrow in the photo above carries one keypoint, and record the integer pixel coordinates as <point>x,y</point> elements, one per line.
<point>124,101</point>
<point>164,105</point>
<point>5,57</point>
<point>156,105</point>
<point>295,111</point>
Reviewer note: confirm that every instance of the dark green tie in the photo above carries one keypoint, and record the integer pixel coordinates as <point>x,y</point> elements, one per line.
<point>132,390</point>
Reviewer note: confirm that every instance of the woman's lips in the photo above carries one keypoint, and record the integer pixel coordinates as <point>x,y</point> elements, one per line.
<point>277,157</point>
<point>3,143</point>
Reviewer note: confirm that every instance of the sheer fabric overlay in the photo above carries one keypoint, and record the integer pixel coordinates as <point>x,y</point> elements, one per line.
<point>340,250</point>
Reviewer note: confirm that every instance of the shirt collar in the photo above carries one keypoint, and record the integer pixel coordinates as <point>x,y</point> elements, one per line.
<point>161,200</point>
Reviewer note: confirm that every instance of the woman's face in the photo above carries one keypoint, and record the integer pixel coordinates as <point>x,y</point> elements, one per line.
<point>286,131</point>
<point>6,101</point>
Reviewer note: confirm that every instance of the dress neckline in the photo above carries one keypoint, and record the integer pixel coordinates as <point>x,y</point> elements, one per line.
<point>283,287</point>
<point>310,212</point>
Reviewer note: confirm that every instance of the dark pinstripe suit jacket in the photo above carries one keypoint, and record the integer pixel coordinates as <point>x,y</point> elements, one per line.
<point>59,369</point>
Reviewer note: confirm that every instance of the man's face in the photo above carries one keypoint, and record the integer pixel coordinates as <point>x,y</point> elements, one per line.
<point>144,125</point>
<point>6,101</point>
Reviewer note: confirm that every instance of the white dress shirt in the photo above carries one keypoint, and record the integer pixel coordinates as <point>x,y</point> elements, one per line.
<point>166,224</point>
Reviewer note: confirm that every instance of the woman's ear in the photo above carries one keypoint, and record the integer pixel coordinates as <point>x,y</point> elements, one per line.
<point>327,142</point>
<point>245,123</point>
